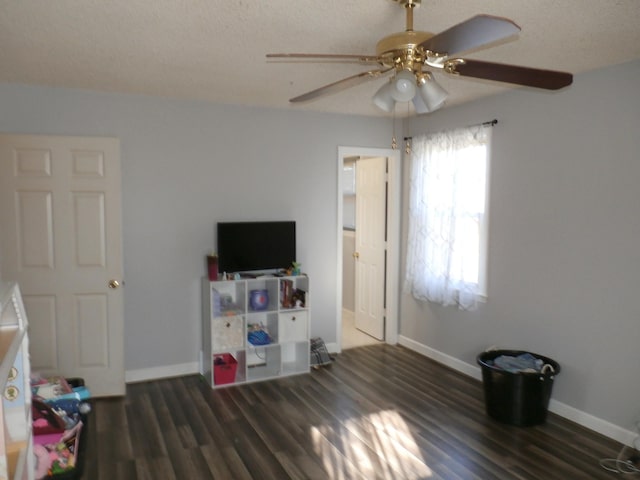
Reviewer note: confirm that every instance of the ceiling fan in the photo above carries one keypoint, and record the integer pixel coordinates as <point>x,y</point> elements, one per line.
<point>411,57</point>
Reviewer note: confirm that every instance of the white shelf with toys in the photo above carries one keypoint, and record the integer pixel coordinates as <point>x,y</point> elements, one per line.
<point>16,442</point>
<point>254,329</point>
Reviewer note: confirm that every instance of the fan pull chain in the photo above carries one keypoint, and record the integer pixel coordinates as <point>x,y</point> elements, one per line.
<point>394,142</point>
<point>407,146</point>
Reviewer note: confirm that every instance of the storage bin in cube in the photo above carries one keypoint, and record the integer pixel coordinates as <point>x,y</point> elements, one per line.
<point>224,369</point>
<point>292,326</point>
<point>227,333</point>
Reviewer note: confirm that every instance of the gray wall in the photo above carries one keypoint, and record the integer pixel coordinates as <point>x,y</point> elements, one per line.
<point>564,255</point>
<point>187,165</point>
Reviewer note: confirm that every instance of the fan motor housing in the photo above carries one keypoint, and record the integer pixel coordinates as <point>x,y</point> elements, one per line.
<point>400,45</point>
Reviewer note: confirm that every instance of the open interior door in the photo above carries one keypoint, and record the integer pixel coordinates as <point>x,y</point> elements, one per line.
<point>371,203</point>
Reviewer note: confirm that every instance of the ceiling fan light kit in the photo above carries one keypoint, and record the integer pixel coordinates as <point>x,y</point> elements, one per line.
<point>405,54</point>
<point>383,99</point>
<point>404,86</point>
<point>431,92</point>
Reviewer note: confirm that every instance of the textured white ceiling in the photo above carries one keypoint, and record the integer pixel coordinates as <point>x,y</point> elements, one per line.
<point>214,50</point>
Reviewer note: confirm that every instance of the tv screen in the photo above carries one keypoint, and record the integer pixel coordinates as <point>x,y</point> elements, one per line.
<point>252,246</point>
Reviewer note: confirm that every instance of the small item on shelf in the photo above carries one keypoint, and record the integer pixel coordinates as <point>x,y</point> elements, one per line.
<point>296,268</point>
<point>226,302</point>
<point>259,299</point>
<point>223,304</point>
<point>258,334</point>
<point>299,298</point>
<point>212,266</point>
<point>286,293</point>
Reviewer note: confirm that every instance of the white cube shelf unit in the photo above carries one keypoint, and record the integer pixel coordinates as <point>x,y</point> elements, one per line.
<point>238,315</point>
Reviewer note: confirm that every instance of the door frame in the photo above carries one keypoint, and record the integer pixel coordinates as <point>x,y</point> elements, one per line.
<point>392,277</point>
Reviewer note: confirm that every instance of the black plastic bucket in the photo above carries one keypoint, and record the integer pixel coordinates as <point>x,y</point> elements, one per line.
<point>517,398</point>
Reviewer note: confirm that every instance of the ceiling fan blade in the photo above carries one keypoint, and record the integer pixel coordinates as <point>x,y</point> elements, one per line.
<point>472,33</point>
<point>340,85</point>
<point>531,77</point>
<point>324,56</point>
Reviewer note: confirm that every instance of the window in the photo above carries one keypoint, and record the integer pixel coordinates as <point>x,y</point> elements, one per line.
<point>447,244</point>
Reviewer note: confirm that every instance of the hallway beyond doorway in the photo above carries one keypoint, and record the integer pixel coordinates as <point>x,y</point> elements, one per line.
<point>351,336</point>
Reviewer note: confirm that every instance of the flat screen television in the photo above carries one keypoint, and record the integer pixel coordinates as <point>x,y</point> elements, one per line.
<point>255,246</point>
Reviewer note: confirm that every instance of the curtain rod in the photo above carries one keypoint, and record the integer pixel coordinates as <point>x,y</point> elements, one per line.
<point>490,123</point>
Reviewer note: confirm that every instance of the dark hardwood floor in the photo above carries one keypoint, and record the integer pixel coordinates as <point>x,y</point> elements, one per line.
<point>379,412</point>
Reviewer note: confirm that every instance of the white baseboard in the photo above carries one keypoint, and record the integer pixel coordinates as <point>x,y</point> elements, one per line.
<point>332,347</point>
<point>596,424</point>
<point>587,420</point>
<point>145,374</point>
<point>440,357</point>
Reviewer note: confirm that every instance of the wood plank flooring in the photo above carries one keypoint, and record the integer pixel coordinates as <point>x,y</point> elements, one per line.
<point>379,412</point>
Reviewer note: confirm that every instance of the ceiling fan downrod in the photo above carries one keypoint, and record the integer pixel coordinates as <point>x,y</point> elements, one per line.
<point>409,5</point>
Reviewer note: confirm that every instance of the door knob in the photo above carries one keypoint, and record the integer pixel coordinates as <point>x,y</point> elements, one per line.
<point>114,284</point>
<point>356,255</point>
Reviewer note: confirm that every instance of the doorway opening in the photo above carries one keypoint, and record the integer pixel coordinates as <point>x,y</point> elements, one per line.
<point>350,329</point>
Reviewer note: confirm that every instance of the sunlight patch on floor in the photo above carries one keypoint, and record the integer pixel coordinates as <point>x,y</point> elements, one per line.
<point>379,445</point>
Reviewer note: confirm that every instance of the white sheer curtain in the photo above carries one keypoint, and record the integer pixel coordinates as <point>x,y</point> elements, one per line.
<point>446,214</point>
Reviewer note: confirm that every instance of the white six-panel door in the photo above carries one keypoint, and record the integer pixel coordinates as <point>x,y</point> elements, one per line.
<point>61,240</point>
<point>370,245</point>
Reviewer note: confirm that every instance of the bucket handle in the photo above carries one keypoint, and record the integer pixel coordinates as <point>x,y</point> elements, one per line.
<point>547,367</point>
